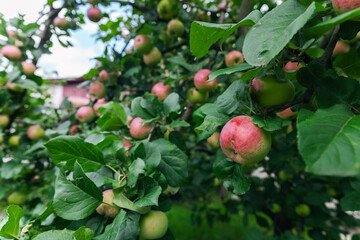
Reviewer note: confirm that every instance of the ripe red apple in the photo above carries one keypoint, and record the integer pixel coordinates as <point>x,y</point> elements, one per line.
<point>153,58</point>
<point>342,6</point>
<point>126,144</point>
<point>129,119</point>
<point>194,96</point>
<point>234,58</point>
<point>11,52</point>
<point>175,28</point>
<point>139,130</point>
<point>94,14</point>
<point>98,90</point>
<point>302,210</point>
<point>35,132</point>
<point>61,23</point>
<point>341,48</point>
<point>161,90</point>
<point>108,208</point>
<point>103,75</point>
<point>142,44</point>
<point>292,66</point>
<point>153,225</point>
<point>4,120</point>
<point>16,198</point>
<point>165,9</point>
<point>222,5</point>
<point>287,114</point>
<point>10,33</point>
<point>14,87</point>
<point>201,83</point>
<point>75,129</point>
<point>14,141</point>
<point>28,68</point>
<point>270,92</point>
<point>214,139</point>
<point>244,142</point>
<point>98,104</point>
<point>85,114</point>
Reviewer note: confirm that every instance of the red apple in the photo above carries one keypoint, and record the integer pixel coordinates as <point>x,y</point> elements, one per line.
<point>340,48</point>
<point>4,120</point>
<point>75,129</point>
<point>14,87</point>
<point>14,141</point>
<point>161,90</point>
<point>98,104</point>
<point>10,33</point>
<point>85,114</point>
<point>11,52</point>
<point>103,75</point>
<point>108,208</point>
<point>94,14</point>
<point>142,44</point>
<point>28,68</point>
<point>342,6</point>
<point>244,142</point>
<point>201,83</point>
<point>139,130</point>
<point>234,58</point>
<point>153,58</point>
<point>61,23</point>
<point>194,96</point>
<point>35,132</point>
<point>126,144</point>
<point>97,89</point>
<point>287,114</point>
<point>222,5</point>
<point>292,66</point>
<point>175,28</point>
<point>214,139</point>
<point>129,119</point>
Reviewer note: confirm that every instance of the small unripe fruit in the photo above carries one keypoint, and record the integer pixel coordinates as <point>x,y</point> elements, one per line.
<point>14,141</point>
<point>166,9</point>
<point>342,6</point>
<point>75,129</point>
<point>35,132</point>
<point>234,58</point>
<point>341,48</point>
<point>302,210</point>
<point>244,142</point>
<point>284,176</point>
<point>11,52</point>
<point>194,96</point>
<point>1,139</point>
<point>292,66</point>
<point>14,87</point>
<point>94,14</point>
<point>85,114</point>
<point>98,104</point>
<point>142,44</point>
<point>16,198</point>
<point>153,58</point>
<point>4,120</point>
<point>175,28</point>
<point>201,83</point>
<point>105,208</point>
<point>28,68</point>
<point>161,90</point>
<point>287,114</point>
<point>97,89</point>
<point>138,130</point>
<point>275,208</point>
<point>153,225</point>
<point>61,23</point>
<point>103,75</point>
<point>214,139</point>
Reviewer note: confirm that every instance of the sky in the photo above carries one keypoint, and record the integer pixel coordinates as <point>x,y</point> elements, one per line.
<point>67,62</point>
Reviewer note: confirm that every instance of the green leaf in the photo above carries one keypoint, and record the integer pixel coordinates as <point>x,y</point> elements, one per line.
<point>83,233</point>
<point>138,110</point>
<point>56,235</point>
<point>181,61</point>
<point>10,169</point>
<point>350,202</point>
<point>76,200</point>
<point>149,192</point>
<point>328,141</point>
<point>171,104</point>
<point>203,35</point>
<point>71,149</point>
<point>136,168</point>
<point>113,117</point>
<point>122,201</point>
<point>230,70</point>
<point>179,123</point>
<point>210,124</point>
<point>269,123</point>
<point>10,226</point>
<point>349,63</point>
<point>229,100</point>
<point>271,34</point>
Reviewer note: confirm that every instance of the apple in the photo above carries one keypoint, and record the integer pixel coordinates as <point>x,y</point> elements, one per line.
<point>284,176</point>
<point>153,58</point>
<point>35,132</point>
<point>108,208</point>
<point>61,23</point>
<point>244,142</point>
<point>103,75</point>
<point>175,28</point>
<point>16,198</point>
<point>302,210</point>
<point>292,66</point>
<point>168,131</point>
<point>234,58</point>
<point>275,208</point>
<point>4,120</point>
<point>165,9</point>
<point>331,192</point>
<point>270,92</point>
<point>98,104</point>
<point>287,114</point>
<point>222,5</point>
<point>213,140</point>
<point>14,87</point>
<point>11,52</point>
<point>342,6</point>
<point>75,129</point>
<point>126,144</point>
<point>341,48</point>
<point>14,141</point>
<point>217,182</point>
<point>142,44</point>
<point>139,130</point>
<point>11,33</point>
<point>85,114</point>
<point>1,139</point>
<point>194,96</point>
<point>97,89</point>
<point>153,225</point>
<point>161,90</point>
<point>201,83</point>
<point>129,119</point>
<point>94,14</point>
<point>28,68</point>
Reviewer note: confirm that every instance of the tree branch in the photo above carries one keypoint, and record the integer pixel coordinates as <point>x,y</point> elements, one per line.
<point>137,7</point>
<point>187,114</point>
<point>173,47</point>
<point>326,58</point>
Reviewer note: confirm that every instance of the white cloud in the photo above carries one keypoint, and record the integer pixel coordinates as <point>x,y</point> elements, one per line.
<point>30,8</point>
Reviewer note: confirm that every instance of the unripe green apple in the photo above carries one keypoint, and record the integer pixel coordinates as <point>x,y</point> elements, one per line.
<point>108,208</point>
<point>28,68</point>
<point>85,114</point>
<point>284,176</point>
<point>270,92</point>
<point>14,141</point>
<point>342,6</point>
<point>153,58</point>
<point>14,87</point>
<point>214,139</point>
<point>75,129</point>
<point>292,66</point>
<point>153,225</point>
<point>142,44</point>
<point>161,90</point>
<point>275,208</point>
<point>287,114</point>
<point>94,14</point>
<point>35,132</point>
<point>98,104</point>
<point>11,52</point>
<point>16,198</point>
<point>331,192</point>
<point>61,23</point>
<point>234,58</point>
<point>201,83</point>
<point>231,40</point>
<point>244,142</point>
<point>1,139</point>
<point>165,9</point>
<point>139,130</point>
<point>194,96</point>
<point>175,28</point>
<point>98,90</point>
<point>302,210</point>
<point>103,75</point>
<point>4,120</point>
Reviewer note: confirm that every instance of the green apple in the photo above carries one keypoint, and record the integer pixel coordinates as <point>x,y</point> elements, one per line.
<point>16,198</point>
<point>4,120</point>
<point>213,140</point>
<point>275,208</point>
<point>165,9</point>
<point>302,210</point>
<point>142,44</point>
<point>14,141</point>
<point>175,28</point>
<point>153,57</point>
<point>35,132</point>
<point>153,225</point>
<point>194,96</point>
